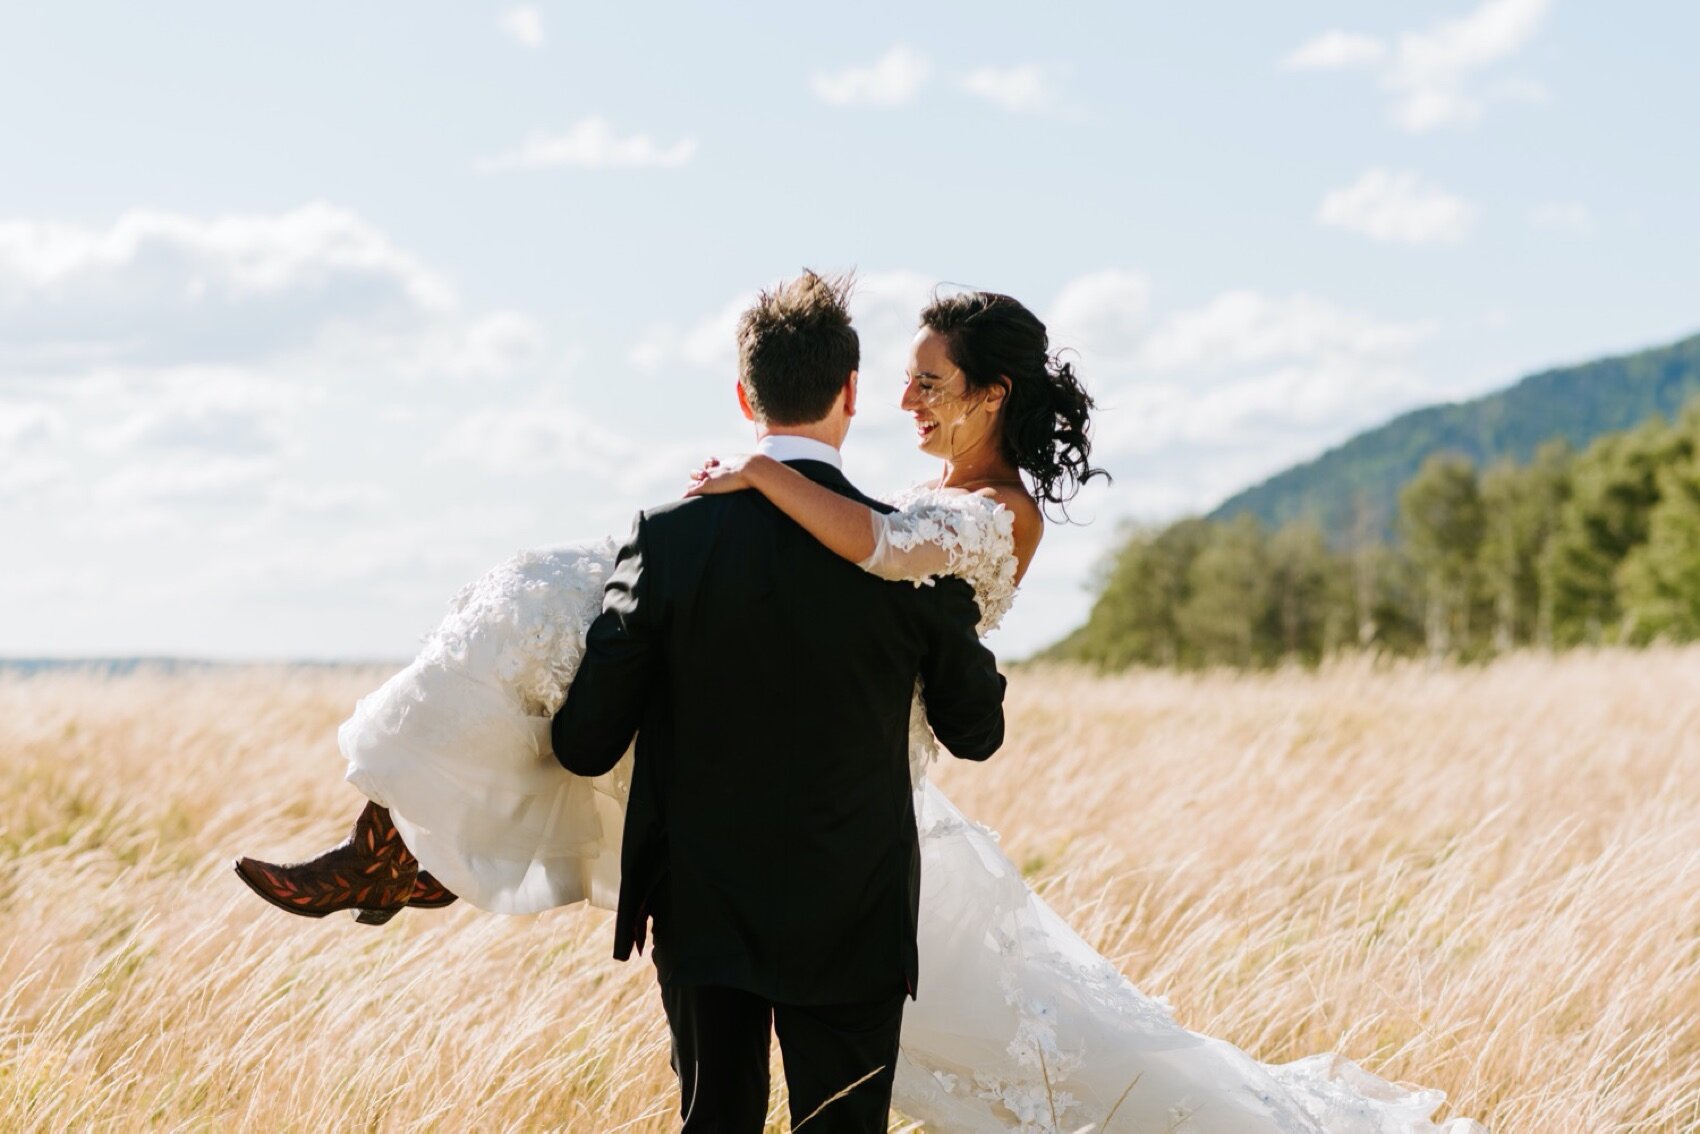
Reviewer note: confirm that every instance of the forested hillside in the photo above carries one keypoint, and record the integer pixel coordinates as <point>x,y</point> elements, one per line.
<point>1567,548</point>
<point>1353,489</point>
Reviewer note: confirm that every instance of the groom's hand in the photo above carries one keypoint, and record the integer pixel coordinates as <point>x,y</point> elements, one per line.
<point>961,687</point>
<point>605,702</point>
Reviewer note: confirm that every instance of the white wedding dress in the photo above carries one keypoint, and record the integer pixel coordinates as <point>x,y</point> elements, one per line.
<point>1019,1024</point>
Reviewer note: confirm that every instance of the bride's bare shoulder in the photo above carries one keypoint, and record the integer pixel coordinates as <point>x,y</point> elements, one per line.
<point>1029,526</point>
<point>1029,518</point>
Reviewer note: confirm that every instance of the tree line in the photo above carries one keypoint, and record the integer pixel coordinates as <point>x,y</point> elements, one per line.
<point>1572,548</point>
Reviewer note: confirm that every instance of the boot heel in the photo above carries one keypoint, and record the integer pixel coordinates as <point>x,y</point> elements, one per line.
<point>376,917</point>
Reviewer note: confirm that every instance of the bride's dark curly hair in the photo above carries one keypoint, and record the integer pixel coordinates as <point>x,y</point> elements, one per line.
<point>1047,413</point>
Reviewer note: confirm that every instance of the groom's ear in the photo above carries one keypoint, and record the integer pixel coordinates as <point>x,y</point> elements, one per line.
<point>850,395</point>
<point>744,403</point>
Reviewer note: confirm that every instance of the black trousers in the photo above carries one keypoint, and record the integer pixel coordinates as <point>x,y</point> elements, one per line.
<point>721,1038</point>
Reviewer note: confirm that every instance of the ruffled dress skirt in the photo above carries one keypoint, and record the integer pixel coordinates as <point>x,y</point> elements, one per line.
<point>457,746</point>
<point>1019,1024</point>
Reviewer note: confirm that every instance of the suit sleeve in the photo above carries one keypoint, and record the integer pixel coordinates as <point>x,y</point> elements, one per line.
<point>960,682</point>
<point>622,656</point>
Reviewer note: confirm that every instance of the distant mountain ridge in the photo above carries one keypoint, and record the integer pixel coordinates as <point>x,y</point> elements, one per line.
<point>1354,487</point>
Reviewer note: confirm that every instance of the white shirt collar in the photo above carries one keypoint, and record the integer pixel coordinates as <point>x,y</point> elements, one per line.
<point>787,447</point>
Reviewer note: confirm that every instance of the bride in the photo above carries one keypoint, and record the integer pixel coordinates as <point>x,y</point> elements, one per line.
<point>1019,1024</point>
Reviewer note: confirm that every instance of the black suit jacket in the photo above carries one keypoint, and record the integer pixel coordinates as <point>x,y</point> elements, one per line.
<point>770,834</point>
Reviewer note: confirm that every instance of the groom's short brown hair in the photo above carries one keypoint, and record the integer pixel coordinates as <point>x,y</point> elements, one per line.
<point>796,349</point>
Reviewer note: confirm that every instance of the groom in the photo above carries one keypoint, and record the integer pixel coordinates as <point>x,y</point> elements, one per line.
<point>770,836</point>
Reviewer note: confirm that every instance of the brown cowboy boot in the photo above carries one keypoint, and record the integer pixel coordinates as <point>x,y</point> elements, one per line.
<point>372,873</point>
<point>430,894</point>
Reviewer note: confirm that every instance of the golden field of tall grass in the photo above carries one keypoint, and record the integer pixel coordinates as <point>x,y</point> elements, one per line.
<point>1485,880</point>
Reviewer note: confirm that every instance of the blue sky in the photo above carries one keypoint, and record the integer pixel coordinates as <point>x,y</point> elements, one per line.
<point>308,316</point>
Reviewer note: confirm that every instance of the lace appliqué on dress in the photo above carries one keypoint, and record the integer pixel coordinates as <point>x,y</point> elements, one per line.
<point>975,534</point>
<point>938,532</point>
<point>521,625</point>
<point>457,744</point>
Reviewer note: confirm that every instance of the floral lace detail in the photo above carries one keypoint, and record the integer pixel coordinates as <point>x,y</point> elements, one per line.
<point>1036,1100</point>
<point>521,625</point>
<point>1021,1026</point>
<point>457,743</point>
<point>977,535</point>
<point>923,746</point>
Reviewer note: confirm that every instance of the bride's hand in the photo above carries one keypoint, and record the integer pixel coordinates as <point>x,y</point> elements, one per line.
<point>716,476</point>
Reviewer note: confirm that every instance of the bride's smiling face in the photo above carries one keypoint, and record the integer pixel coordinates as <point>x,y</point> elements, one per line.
<point>950,419</point>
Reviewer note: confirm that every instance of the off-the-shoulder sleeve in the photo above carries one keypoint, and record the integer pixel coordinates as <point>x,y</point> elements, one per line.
<point>938,532</point>
<point>935,535</point>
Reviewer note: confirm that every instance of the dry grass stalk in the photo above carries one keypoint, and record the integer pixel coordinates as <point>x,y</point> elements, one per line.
<point>1483,880</point>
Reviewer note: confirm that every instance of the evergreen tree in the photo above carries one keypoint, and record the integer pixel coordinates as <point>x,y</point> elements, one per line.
<point>1225,619</point>
<point>1592,547</point>
<point>1363,560</point>
<point>1577,403</point>
<point>1441,519</point>
<point>1133,621</point>
<point>1521,508</point>
<point>1659,582</point>
<point>1387,600</point>
<point>1613,488</point>
<point>1301,572</point>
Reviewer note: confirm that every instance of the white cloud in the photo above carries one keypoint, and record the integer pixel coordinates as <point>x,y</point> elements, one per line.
<point>1194,403</point>
<point>1101,316</point>
<point>411,564</point>
<point>31,437</point>
<point>541,435</point>
<point>524,25</point>
<point>1020,88</point>
<point>1247,327</point>
<point>150,449</point>
<point>210,410</point>
<point>469,348</point>
<point>1218,396</point>
<point>323,489</point>
<point>24,477</point>
<point>26,424</point>
<point>1563,216</point>
<point>175,476</point>
<point>489,346</point>
<point>1397,207</point>
<point>233,255</point>
<point>887,308</point>
<point>545,436</point>
<point>206,403</point>
<point>592,143</point>
<point>1519,88</point>
<point>1434,74</point>
<point>1336,50</point>
<point>169,286</point>
<point>1197,403</point>
<point>709,343</point>
<point>351,497</point>
<point>892,80</point>
<point>1432,69</point>
<point>1208,399</point>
